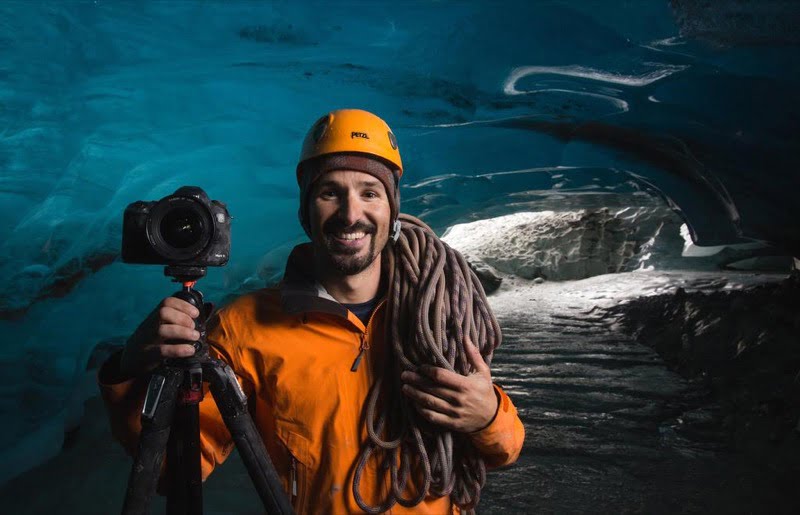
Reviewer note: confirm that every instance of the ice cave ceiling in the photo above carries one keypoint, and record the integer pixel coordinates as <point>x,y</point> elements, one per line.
<point>626,127</point>
<point>499,107</point>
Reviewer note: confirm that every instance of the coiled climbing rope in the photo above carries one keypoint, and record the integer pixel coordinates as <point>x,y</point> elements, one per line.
<point>436,304</point>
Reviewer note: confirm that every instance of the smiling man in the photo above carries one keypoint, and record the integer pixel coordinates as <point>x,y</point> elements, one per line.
<point>308,352</point>
<point>350,218</point>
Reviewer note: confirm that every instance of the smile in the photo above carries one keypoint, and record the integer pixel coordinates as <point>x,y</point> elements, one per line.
<point>350,235</point>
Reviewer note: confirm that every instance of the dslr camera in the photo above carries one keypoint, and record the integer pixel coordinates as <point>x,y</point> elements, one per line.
<point>184,229</point>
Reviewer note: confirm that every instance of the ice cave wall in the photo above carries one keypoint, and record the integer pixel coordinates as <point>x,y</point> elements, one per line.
<point>624,120</point>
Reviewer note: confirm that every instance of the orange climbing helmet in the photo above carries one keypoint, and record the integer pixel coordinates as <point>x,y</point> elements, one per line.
<point>350,139</point>
<point>351,131</point>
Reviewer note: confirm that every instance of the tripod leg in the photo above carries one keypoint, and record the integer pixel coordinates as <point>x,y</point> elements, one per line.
<point>185,494</point>
<point>157,417</point>
<point>232,405</point>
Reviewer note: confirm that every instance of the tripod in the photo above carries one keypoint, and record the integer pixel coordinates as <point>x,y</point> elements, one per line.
<point>170,420</point>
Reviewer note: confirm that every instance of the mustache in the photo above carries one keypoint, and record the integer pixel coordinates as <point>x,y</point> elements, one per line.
<point>335,226</point>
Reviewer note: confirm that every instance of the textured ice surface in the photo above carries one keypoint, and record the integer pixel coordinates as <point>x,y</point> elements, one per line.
<point>636,110</point>
<point>562,245</point>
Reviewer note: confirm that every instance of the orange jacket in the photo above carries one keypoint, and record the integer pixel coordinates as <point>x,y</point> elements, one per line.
<point>292,350</point>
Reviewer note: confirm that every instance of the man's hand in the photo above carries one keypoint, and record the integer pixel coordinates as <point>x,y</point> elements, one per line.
<point>173,319</point>
<point>460,403</point>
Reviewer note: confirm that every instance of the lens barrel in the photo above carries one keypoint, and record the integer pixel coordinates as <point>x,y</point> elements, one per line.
<point>179,228</point>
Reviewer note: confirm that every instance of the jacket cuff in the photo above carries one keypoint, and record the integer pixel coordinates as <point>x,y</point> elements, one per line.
<point>123,397</point>
<point>495,438</point>
<point>110,372</point>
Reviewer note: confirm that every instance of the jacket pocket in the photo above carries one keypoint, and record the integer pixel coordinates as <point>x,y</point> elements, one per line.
<point>300,465</point>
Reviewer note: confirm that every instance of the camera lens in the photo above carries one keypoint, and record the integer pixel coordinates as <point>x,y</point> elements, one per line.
<point>182,228</point>
<point>179,228</point>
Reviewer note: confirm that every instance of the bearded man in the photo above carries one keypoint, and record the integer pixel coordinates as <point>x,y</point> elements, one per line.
<point>307,352</point>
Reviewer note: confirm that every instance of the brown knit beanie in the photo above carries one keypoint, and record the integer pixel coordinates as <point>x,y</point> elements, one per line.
<point>315,168</point>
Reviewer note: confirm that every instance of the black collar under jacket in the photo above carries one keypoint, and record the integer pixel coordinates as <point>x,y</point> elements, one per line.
<point>300,291</point>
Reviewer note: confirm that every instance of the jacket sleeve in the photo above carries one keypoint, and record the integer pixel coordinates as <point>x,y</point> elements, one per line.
<point>500,442</point>
<point>124,399</point>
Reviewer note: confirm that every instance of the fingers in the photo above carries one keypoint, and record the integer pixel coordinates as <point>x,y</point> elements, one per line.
<point>434,401</point>
<point>177,332</point>
<point>176,320</point>
<point>436,410</point>
<point>441,419</point>
<point>428,402</point>
<point>444,383</point>
<point>156,353</point>
<point>161,335</point>
<point>440,377</point>
<point>174,303</point>
<point>137,362</point>
<point>463,403</point>
<point>475,358</point>
<point>167,315</point>
<point>425,384</point>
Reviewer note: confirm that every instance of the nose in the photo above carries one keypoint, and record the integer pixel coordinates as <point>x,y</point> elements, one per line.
<point>350,209</point>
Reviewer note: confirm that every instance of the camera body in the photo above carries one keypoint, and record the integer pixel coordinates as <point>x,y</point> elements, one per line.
<point>183,229</point>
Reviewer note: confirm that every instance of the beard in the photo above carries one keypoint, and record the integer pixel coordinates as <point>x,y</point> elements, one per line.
<point>346,260</point>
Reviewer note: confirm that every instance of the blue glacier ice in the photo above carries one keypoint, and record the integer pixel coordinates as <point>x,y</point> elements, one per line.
<point>667,117</point>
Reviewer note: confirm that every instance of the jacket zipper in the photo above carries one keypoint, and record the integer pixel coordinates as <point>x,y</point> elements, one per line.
<point>364,345</point>
<point>293,477</point>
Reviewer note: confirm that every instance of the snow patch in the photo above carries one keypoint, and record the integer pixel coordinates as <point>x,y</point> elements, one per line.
<point>692,250</point>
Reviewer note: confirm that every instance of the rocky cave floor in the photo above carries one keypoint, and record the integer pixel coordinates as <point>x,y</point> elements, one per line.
<point>680,395</point>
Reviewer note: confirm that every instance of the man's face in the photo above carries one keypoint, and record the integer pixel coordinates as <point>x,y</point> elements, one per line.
<point>349,216</point>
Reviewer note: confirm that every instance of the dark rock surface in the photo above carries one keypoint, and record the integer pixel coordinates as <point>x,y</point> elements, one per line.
<point>742,346</point>
<point>488,276</point>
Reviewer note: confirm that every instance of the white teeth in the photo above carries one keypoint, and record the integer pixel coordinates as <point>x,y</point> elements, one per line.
<point>350,235</point>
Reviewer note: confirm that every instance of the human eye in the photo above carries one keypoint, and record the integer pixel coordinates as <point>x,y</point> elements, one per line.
<point>371,194</point>
<point>327,193</point>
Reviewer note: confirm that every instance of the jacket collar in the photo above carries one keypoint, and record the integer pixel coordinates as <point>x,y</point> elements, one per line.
<point>300,291</point>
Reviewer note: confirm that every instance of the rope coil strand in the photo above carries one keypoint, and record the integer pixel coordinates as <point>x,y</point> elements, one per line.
<point>435,304</point>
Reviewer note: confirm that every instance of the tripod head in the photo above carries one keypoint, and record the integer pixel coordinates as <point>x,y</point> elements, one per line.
<point>185,274</point>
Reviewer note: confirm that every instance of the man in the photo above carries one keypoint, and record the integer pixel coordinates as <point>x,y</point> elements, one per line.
<point>306,353</point>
